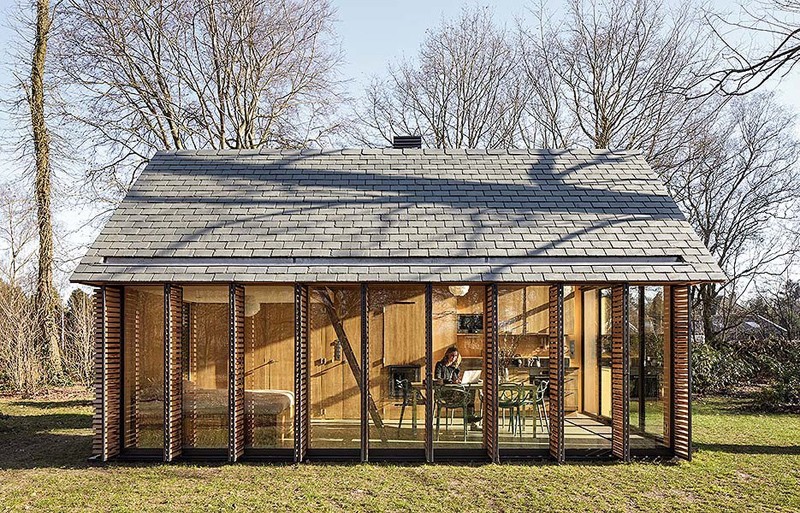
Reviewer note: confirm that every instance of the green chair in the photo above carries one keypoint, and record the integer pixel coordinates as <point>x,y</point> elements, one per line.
<point>509,398</point>
<point>450,398</point>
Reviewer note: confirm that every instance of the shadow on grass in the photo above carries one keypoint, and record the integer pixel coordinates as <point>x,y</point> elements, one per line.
<point>749,449</point>
<point>47,405</point>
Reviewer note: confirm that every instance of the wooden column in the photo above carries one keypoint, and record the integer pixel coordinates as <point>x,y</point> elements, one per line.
<point>236,373</point>
<point>681,372</point>
<point>107,372</point>
<point>556,372</point>
<point>301,372</point>
<point>620,372</point>
<point>429,373</point>
<point>490,384</point>
<point>364,372</point>
<point>173,378</point>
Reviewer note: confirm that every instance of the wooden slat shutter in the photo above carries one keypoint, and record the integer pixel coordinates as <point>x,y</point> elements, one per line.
<point>107,372</point>
<point>173,337</point>
<point>236,373</point>
<point>301,372</point>
<point>620,372</point>
<point>364,372</point>
<point>681,373</point>
<point>429,373</point>
<point>131,358</point>
<point>556,372</point>
<point>490,384</point>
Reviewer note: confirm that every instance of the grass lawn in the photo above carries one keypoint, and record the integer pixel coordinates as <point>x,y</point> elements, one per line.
<point>744,462</point>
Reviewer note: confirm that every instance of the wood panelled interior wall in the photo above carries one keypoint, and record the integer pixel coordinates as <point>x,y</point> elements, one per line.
<point>591,334</point>
<point>269,333</point>
<point>335,331</point>
<point>143,364</point>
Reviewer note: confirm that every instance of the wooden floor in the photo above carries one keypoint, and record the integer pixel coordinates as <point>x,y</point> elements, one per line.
<point>580,432</point>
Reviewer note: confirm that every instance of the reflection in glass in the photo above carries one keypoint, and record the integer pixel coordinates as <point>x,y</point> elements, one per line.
<point>205,366</point>
<point>458,403</point>
<point>269,366</point>
<point>656,364</point>
<point>397,365</point>
<point>335,366</point>
<point>143,367</point>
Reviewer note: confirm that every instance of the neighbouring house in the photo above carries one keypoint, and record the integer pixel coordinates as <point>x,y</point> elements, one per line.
<point>294,306</point>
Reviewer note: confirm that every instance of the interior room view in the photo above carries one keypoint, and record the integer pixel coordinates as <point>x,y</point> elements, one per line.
<point>398,394</point>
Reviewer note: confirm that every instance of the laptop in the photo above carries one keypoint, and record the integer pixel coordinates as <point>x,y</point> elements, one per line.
<point>470,376</point>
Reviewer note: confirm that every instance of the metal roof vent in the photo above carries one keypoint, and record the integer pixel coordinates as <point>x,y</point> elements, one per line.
<point>407,141</point>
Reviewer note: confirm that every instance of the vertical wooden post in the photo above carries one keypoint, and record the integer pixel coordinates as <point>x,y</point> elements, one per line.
<point>490,384</point>
<point>681,372</point>
<point>620,371</point>
<point>365,392</point>
<point>173,378</point>
<point>429,373</point>
<point>556,372</point>
<point>107,372</point>
<point>642,359</point>
<point>301,371</point>
<point>235,372</point>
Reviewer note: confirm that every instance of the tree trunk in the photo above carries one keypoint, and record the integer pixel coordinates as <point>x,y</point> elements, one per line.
<point>46,297</point>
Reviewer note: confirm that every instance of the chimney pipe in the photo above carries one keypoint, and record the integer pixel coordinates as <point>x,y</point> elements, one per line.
<point>407,141</point>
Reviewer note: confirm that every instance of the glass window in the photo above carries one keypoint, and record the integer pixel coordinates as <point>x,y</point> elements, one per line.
<point>205,366</point>
<point>523,339</point>
<point>269,366</point>
<point>397,365</point>
<point>634,328</point>
<point>656,364</point>
<point>458,344</point>
<point>143,367</point>
<point>335,363</point>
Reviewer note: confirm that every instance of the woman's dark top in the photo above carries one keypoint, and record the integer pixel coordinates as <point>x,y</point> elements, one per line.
<point>446,373</point>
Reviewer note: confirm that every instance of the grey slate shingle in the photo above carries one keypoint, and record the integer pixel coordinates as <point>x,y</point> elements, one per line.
<point>379,203</point>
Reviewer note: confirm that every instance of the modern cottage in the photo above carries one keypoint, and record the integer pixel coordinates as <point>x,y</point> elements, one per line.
<point>405,304</point>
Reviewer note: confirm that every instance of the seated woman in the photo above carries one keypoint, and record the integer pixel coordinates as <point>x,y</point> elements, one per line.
<point>447,369</point>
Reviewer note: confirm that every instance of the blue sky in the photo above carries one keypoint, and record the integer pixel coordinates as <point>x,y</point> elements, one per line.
<point>372,33</point>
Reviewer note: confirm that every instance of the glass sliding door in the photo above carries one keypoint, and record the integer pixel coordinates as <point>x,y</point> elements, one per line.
<point>458,357</point>
<point>143,368</point>
<point>269,366</point>
<point>523,339</point>
<point>397,366</point>
<point>205,366</point>
<point>334,367</point>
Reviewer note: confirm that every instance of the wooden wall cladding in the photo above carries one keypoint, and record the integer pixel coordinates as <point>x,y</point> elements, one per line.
<point>107,372</point>
<point>620,372</point>
<point>490,433</point>
<point>556,372</point>
<point>173,338</point>
<point>301,428</point>
<point>681,372</point>
<point>236,427</point>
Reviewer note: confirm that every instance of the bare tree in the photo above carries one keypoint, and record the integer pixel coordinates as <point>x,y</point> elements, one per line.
<point>739,187</point>
<point>621,67</point>
<point>464,91</point>
<point>173,74</point>
<point>746,67</point>
<point>47,301</point>
<point>78,338</point>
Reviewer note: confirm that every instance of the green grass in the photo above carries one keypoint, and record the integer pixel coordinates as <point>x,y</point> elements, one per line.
<point>744,462</point>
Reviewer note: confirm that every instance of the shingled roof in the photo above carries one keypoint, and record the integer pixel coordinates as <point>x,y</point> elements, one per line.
<point>397,215</point>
